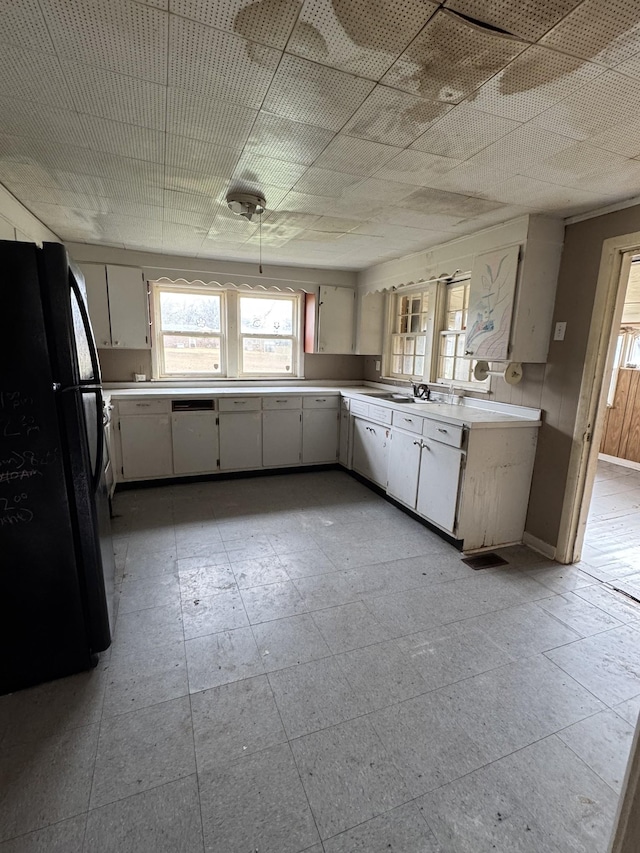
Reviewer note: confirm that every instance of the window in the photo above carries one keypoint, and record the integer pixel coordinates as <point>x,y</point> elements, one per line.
<point>409,335</point>
<point>453,367</point>
<point>267,339</point>
<point>190,333</point>
<point>200,333</point>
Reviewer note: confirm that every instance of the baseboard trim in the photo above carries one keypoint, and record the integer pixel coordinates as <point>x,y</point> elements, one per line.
<point>539,545</point>
<point>617,460</point>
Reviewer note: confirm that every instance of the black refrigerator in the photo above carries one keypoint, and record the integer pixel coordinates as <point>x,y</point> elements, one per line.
<point>56,553</point>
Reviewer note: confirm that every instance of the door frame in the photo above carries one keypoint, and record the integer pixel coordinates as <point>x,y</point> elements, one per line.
<point>598,364</point>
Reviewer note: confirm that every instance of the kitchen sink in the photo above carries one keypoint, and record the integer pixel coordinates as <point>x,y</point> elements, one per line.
<point>395,398</point>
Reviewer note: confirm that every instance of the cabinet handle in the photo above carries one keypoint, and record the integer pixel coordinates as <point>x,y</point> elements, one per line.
<point>468,352</point>
<point>408,420</point>
<point>116,343</point>
<point>142,405</point>
<point>418,443</point>
<point>321,399</point>
<point>441,429</point>
<point>239,402</point>
<point>282,401</point>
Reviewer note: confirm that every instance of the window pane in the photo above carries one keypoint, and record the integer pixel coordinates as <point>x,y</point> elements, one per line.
<point>189,312</point>
<point>460,345</point>
<point>415,322</point>
<point>183,354</point>
<point>266,316</point>
<point>449,347</point>
<point>409,345</point>
<point>462,370</point>
<point>403,325</point>
<point>419,366</point>
<point>397,345</point>
<point>421,345</point>
<point>407,366</point>
<point>264,355</point>
<point>416,304</point>
<point>397,364</point>
<point>447,368</point>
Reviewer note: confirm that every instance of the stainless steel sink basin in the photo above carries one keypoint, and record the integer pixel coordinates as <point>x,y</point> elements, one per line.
<point>394,398</point>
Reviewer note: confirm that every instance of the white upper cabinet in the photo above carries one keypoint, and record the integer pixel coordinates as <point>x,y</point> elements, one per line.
<point>511,296</point>
<point>370,323</point>
<point>118,306</point>
<point>336,319</point>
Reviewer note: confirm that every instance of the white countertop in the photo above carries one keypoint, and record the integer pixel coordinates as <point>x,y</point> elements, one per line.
<point>473,413</point>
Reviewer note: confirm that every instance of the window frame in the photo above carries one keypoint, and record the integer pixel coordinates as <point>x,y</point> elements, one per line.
<point>423,290</point>
<point>295,337</point>
<point>470,384</point>
<point>230,335</point>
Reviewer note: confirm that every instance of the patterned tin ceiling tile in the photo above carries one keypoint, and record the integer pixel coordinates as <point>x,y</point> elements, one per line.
<point>22,24</point>
<point>219,65</point>
<point>208,119</point>
<point>355,156</point>
<point>127,140</point>
<point>534,82</point>
<point>265,21</point>
<point>20,118</point>
<point>463,132</point>
<point>608,33</point>
<point>32,75</point>
<point>196,183</point>
<point>283,139</point>
<point>358,36</point>
<point>528,19</point>
<point>564,200</point>
<point>451,58</point>
<point>393,117</point>
<point>306,92</point>
<point>198,156</point>
<point>611,99</point>
<point>255,170</point>
<point>417,168</point>
<point>326,183</point>
<point>103,93</point>
<point>129,38</point>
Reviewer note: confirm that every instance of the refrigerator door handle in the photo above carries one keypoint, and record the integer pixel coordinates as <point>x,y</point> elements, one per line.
<point>97,474</point>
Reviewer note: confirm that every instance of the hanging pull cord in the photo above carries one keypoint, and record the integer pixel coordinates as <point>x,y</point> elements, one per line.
<point>260,243</point>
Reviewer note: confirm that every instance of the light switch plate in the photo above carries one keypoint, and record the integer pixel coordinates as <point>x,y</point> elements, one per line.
<point>377,365</point>
<point>560,329</point>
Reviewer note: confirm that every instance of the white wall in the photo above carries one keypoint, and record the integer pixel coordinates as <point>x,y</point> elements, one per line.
<point>17,223</point>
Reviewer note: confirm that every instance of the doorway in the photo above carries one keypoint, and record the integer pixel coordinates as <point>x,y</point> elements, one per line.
<point>611,545</point>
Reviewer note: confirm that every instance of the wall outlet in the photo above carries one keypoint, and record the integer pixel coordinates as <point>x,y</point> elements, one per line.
<point>378,366</point>
<point>560,329</point>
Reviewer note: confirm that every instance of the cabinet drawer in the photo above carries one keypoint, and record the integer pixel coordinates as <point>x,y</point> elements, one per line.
<point>444,432</point>
<point>144,407</point>
<point>321,402</point>
<point>239,404</point>
<point>282,402</point>
<point>359,408</point>
<point>380,414</point>
<point>408,422</point>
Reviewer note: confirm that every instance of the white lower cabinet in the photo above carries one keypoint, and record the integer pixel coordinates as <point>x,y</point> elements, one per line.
<point>438,483</point>
<point>371,450</point>
<point>195,442</point>
<point>240,440</point>
<point>404,467</point>
<point>146,450</point>
<point>281,437</point>
<point>319,435</point>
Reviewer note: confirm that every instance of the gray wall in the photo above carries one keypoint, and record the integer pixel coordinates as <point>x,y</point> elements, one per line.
<point>563,372</point>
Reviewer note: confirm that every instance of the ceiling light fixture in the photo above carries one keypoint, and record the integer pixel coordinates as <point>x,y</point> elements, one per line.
<point>246,204</point>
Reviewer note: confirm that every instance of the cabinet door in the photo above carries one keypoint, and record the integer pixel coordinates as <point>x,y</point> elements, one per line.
<point>195,442</point>
<point>336,311</point>
<point>95,279</point>
<point>370,322</point>
<point>319,436</point>
<point>128,307</point>
<point>146,446</point>
<point>281,437</point>
<point>438,485</point>
<point>345,425</point>
<point>404,467</point>
<point>491,295</point>
<point>371,451</point>
<point>240,440</point>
